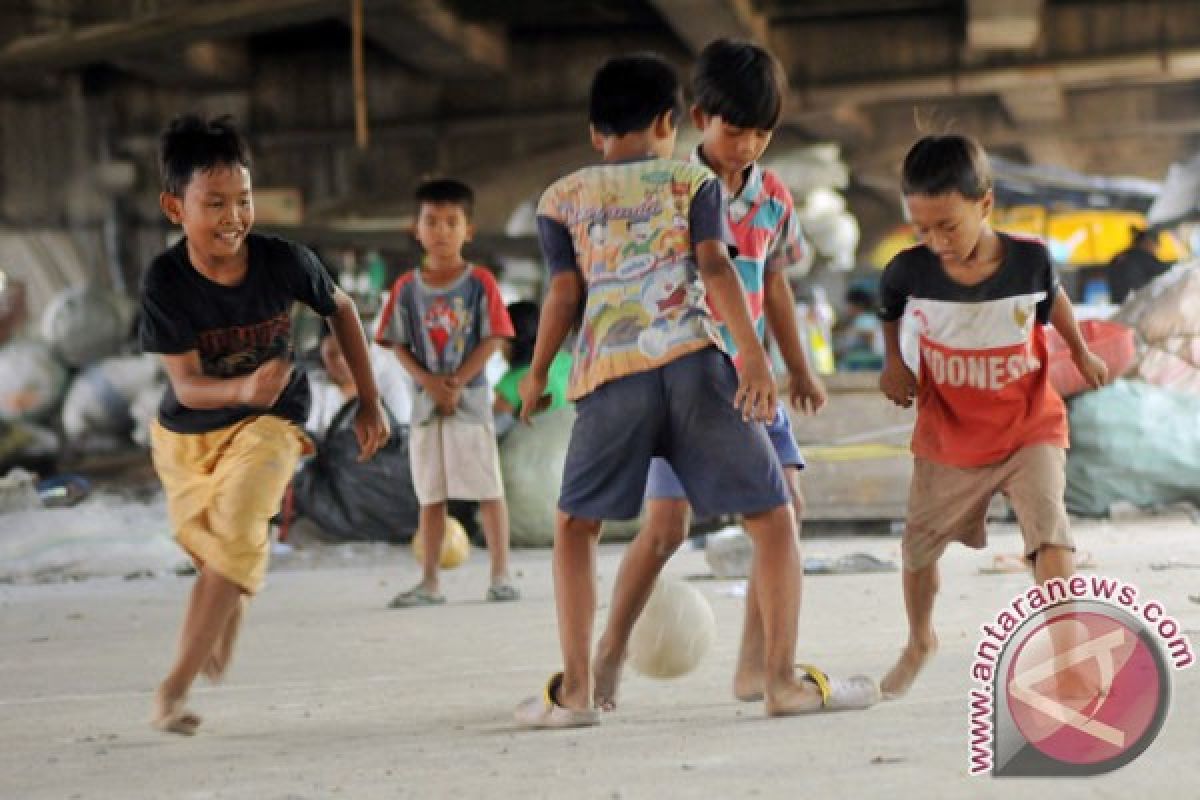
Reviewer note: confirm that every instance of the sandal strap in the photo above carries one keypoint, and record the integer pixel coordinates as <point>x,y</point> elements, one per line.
<point>552,686</point>
<point>820,679</point>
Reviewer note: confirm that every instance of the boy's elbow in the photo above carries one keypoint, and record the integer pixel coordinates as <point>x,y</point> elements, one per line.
<point>343,305</point>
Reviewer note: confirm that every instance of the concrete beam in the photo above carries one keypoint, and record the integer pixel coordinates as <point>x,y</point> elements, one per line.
<point>1003,24</point>
<point>1137,68</point>
<point>428,36</point>
<point>106,42</point>
<point>698,22</point>
<point>400,131</point>
<point>1037,103</point>
<point>202,64</point>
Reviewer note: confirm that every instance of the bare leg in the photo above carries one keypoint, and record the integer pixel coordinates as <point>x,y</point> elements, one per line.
<point>212,601</point>
<point>433,530</point>
<point>664,531</point>
<point>494,514</point>
<point>920,588</point>
<point>1052,562</point>
<point>1075,685</point>
<point>222,653</point>
<point>575,599</point>
<point>776,568</point>
<point>748,676</point>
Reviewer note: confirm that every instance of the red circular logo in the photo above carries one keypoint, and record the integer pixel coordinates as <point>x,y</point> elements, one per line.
<point>1083,688</point>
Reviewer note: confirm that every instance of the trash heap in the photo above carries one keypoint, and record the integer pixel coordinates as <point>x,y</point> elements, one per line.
<point>1137,442</point>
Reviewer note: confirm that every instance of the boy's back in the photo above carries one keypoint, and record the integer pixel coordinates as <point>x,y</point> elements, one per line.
<point>631,226</point>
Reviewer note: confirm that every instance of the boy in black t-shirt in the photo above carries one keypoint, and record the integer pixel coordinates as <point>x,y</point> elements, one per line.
<point>229,432</point>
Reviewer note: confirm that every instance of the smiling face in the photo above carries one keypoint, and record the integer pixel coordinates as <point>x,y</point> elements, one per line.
<point>729,148</point>
<point>216,212</point>
<point>950,224</point>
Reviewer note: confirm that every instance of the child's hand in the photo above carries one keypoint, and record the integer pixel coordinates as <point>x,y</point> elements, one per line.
<point>898,383</point>
<point>453,396</point>
<point>1092,368</point>
<point>806,391</point>
<point>755,396</point>
<point>531,388</point>
<point>371,429</point>
<point>262,388</point>
<point>442,392</point>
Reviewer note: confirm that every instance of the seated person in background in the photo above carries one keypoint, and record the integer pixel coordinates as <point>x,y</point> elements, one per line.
<point>334,387</point>
<point>858,335</point>
<point>518,352</point>
<point>1135,266</point>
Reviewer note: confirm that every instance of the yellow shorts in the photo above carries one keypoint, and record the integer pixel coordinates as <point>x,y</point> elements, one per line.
<point>222,489</point>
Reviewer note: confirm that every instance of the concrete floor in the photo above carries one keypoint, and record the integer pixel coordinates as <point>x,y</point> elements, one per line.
<point>332,696</point>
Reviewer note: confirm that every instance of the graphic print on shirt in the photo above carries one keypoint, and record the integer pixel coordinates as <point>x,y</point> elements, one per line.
<point>239,350</point>
<point>766,232</point>
<point>448,324</point>
<point>630,227</point>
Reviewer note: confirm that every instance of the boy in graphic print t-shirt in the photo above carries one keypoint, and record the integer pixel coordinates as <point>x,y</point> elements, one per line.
<point>972,353</point>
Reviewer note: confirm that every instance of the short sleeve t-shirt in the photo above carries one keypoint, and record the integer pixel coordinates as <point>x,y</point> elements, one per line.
<point>235,329</point>
<point>979,353</point>
<point>766,233</point>
<point>442,325</point>
<point>630,229</point>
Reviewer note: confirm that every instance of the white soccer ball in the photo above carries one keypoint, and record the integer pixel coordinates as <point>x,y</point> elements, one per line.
<point>676,629</point>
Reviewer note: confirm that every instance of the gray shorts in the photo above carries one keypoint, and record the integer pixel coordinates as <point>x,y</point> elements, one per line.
<point>682,412</point>
<point>663,484</point>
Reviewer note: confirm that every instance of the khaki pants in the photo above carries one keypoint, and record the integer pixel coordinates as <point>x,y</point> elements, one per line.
<point>949,504</point>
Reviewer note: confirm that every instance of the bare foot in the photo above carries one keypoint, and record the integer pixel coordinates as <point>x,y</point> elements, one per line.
<point>606,668</point>
<point>748,684</point>
<point>902,674</point>
<point>171,717</point>
<point>1077,688</point>
<point>794,696</point>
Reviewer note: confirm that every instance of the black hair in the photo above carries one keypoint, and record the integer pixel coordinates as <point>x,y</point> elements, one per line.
<point>1143,236</point>
<point>191,143</point>
<point>740,82</point>
<point>863,298</point>
<point>947,163</point>
<point>446,192</point>
<point>629,92</point>
<point>524,315</point>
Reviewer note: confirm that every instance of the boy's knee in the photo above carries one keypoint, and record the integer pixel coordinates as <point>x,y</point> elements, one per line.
<point>667,524</point>
<point>775,521</point>
<point>569,525</point>
<point>799,505</point>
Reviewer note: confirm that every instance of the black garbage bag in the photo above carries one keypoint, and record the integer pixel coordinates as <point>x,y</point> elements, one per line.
<point>353,501</point>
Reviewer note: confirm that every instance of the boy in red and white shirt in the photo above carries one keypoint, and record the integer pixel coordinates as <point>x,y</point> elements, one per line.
<point>963,322</point>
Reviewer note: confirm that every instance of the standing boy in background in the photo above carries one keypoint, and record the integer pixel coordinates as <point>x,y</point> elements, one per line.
<point>444,321</point>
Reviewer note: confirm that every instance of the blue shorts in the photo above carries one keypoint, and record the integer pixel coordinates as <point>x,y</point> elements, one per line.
<point>682,412</point>
<point>662,482</point>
